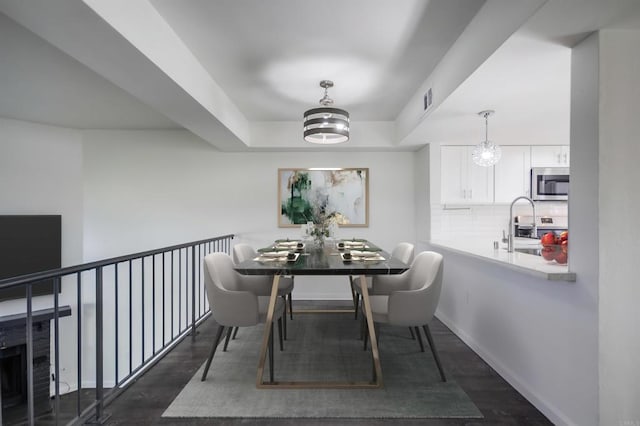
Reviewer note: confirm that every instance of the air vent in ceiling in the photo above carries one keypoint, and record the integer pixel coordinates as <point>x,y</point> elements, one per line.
<point>428,99</point>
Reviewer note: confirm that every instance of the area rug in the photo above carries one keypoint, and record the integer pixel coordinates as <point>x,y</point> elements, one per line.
<point>324,347</point>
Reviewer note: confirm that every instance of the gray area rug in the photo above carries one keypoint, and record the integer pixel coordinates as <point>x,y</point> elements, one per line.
<point>324,347</point>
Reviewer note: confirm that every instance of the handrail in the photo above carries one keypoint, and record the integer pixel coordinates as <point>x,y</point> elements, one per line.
<point>68,270</point>
<point>174,275</point>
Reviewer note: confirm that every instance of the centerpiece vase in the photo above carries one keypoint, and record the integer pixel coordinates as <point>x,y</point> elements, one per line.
<point>318,235</point>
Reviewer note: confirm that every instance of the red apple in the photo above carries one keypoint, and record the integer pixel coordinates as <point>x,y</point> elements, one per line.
<point>549,253</point>
<point>548,239</point>
<point>564,236</point>
<point>564,246</point>
<point>561,258</point>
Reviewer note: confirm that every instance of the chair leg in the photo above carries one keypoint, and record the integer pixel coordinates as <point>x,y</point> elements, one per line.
<point>413,336</point>
<point>354,296</point>
<point>226,340</point>
<point>235,333</point>
<point>290,308</point>
<point>427,332</point>
<point>284,298</point>
<point>271,354</point>
<point>419,338</point>
<point>357,304</point>
<point>216,341</point>
<point>365,331</point>
<point>280,334</point>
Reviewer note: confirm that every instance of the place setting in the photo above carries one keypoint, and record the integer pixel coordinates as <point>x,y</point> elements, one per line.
<point>357,255</point>
<point>281,251</point>
<point>358,250</point>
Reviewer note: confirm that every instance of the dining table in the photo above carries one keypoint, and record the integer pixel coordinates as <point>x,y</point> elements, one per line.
<point>354,257</point>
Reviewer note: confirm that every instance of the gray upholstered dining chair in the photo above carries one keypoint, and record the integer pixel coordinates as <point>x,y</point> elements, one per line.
<point>233,304</point>
<point>414,305</point>
<point>383,284</point>
<point>261,284</point>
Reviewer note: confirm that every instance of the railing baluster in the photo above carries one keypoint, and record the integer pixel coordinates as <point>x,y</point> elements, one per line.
<point>56,347</point>
<point>172,294</point>
<point>1,403</point>
<point>79,353</point>
<point>193,293</point>
<point>29,326</point>
<point>117,352</point>
<point>186,288</point>
<point>199,280</point>
<point>130,319</point>
<point>153,304</point>
<point>180,291</point>
<point>143,298</point>
<point>164,334</point>
<point>99,347</point>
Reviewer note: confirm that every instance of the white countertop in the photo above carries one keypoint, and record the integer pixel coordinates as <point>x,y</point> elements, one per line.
<point>526,263</point>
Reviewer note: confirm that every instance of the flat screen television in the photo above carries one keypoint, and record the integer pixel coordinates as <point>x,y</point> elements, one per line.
<point>29,243</point>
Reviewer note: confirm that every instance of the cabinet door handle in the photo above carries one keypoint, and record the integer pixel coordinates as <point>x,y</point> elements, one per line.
<point>464,194</point>
<point>559,160</point>
<point>565,158</point>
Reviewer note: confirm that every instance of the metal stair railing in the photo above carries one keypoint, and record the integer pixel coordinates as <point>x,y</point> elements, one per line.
<point>168,281</point>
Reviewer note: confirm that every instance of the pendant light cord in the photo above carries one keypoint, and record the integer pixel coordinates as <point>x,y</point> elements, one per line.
<point>486,126</point>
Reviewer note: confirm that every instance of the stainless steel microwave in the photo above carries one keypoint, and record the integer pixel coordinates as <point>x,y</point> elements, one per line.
<point>549,183</point>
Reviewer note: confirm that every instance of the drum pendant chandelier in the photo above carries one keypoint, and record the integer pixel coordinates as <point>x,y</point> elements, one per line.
<point>326,125</point>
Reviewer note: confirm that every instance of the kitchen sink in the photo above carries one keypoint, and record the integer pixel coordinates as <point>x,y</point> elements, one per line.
<point>528,250</point>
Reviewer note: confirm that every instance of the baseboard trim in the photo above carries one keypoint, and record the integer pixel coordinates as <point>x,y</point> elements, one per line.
<point>554,414</point>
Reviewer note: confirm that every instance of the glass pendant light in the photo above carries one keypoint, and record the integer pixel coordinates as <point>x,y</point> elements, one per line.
<point>486,153</point>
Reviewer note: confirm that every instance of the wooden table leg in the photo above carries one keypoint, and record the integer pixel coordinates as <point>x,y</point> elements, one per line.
<point>372,332</point>
<point>267,330</point>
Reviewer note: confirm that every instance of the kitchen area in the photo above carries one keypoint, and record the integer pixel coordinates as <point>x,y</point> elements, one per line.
<point>500,213</point>
<point>531,319</point>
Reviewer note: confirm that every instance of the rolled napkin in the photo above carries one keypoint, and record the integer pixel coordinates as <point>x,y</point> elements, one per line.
<point>286,242</point>
<point>274,254</point>
<point>358,253</point>
<point>350,244</point>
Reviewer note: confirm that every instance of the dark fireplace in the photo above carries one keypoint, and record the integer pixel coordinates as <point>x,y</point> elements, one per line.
<point>13,364</point>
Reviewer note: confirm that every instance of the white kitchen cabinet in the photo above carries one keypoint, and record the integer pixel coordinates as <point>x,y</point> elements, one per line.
<point>462,181</point>
<point>550,156</point>
<point>512,173</point>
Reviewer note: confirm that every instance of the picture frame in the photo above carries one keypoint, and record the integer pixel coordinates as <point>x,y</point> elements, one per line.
<point>319,194</point>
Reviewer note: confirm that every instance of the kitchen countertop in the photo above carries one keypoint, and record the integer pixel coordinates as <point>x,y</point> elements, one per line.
<point>526,263</point>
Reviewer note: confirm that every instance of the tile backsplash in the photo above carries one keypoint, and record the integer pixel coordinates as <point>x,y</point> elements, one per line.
<point>483,221</point>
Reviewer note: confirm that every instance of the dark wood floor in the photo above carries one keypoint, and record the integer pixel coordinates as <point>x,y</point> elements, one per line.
<point>145,400</point>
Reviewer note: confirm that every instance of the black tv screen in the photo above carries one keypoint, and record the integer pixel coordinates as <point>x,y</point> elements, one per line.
<point>29,243</point>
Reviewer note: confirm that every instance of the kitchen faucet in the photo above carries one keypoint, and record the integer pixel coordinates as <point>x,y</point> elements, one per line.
<point>534,231</point>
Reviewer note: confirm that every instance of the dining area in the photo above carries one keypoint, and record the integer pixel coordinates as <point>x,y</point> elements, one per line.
<point>394,288</point>
<point>329,352</point>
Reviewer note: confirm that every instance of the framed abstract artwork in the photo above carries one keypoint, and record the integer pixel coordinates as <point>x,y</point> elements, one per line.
<point>316,195</point>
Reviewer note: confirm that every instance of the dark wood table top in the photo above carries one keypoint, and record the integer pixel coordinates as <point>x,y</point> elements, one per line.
<point>326,260</point>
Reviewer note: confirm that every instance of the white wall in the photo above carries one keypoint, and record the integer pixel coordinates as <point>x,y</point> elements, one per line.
<point>145,190</point>
<point>41,173</point>
<point>422,196</point>
<point>619,205</point>
<point>583,203</point>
